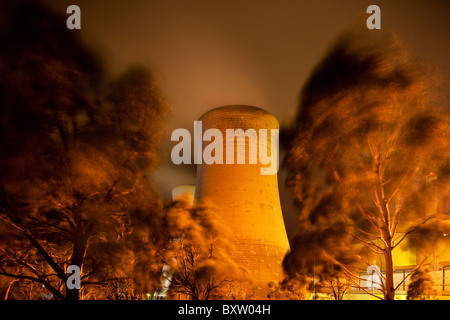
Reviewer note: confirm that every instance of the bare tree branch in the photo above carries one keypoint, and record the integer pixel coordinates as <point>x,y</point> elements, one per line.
<point>412,230</point>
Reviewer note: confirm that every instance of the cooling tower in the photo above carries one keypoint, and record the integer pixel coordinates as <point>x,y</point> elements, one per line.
<point>246,202</point>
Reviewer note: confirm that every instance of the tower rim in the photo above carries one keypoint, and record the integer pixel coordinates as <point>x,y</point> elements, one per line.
<point>242,108</point>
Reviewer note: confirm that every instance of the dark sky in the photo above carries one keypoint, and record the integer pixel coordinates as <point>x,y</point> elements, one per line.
<point>209,53</point>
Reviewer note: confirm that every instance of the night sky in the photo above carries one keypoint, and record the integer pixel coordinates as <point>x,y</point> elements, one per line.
<point>211,53</point>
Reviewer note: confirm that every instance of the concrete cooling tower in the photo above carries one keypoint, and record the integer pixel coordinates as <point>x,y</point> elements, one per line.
<point>246,201</point>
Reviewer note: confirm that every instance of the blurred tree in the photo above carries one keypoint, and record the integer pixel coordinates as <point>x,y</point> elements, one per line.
<point>200,263</point>
<point>76,149</point>
<point>421,286</point>
<point>332,282</point>
<point>303,287</point>
<point>366,135</point>
<point>290,288</point>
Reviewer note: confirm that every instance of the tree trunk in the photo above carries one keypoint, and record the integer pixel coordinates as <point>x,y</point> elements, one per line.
<point>79,251</point>
<point>389,285</point>
<point>72,294</point>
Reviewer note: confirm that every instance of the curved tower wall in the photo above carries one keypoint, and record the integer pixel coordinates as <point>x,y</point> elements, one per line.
<point>246,202</point>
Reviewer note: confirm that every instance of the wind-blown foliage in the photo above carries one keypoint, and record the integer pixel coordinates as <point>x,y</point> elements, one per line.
<point>366,136</point>
<point>421,286</point>
<point>76,148</point>
<point>199,258</point>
